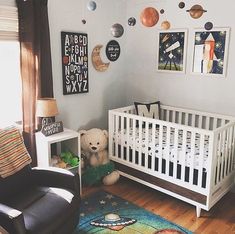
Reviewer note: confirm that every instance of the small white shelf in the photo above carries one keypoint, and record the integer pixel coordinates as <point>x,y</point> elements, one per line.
<point>68,138</point>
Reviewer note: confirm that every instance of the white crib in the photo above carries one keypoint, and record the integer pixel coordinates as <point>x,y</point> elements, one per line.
<point>187,154</point>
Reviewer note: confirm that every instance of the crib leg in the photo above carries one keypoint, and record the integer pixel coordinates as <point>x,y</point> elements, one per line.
<point>198,211</point>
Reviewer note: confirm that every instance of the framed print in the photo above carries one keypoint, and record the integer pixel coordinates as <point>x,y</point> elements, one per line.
<point>74,62</point>
<point>210,52</point>
<point>172,51</point>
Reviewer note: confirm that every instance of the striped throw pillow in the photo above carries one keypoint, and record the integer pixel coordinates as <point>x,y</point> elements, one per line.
<point>13,153</point>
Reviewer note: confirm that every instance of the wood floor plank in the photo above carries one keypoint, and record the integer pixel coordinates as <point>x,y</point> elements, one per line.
<point>219,220</point>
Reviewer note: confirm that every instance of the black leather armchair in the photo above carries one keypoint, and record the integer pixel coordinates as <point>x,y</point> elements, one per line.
<point>40,201</point>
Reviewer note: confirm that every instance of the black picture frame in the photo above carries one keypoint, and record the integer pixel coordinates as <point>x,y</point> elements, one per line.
<point>74,47</point>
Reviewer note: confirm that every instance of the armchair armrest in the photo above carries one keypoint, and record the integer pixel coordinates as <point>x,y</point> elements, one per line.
<point>12,220</point>
<point>56,177</point>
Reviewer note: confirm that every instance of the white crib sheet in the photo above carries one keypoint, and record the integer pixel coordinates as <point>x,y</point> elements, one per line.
<point>166,150</point>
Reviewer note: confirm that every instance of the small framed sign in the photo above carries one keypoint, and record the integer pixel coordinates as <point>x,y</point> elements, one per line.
<point>113,50</point>
<point>52,128</point>
<point>74,62</point>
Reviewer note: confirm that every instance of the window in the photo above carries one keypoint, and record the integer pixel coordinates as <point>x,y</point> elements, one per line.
<point>10,82</point>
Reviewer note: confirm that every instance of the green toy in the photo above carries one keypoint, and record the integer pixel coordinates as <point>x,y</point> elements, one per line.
<point>69,158</point>
<point>94,175</point>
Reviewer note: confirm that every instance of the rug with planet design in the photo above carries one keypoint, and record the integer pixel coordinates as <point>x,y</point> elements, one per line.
<point>105,213</point>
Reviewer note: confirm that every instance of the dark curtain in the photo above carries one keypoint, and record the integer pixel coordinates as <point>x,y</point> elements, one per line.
<point>36,70</point>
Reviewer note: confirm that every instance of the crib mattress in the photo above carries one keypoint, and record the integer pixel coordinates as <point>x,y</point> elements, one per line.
<point>142,145</point>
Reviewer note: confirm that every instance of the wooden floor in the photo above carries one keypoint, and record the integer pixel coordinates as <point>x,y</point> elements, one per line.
<point>220,219</point>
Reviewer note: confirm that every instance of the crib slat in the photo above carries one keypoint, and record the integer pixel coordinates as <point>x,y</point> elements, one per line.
<point>207,126</point>
<point>173,116</point>
<point>193,120</point>
<point>233,157</point>
<point>122,137</point>
<point>201,159</point>
<point>167,115</point>
<point>223,154</point>
<point>184,143</point>
<point>167,148</point>
<point>116,134</point>
<point>134,141</point>
<point>231,150</point>
<point>218,158</point>
<point>200,121</point>
<point>153,143</point>
<point>127,139</point>
<point>140,142</point>
<point>186,119</point>
<point>176,143</point>
<point>192,154</point>
<point>146,144</point>
<point>227,156</point>
<point>180,118</point>
<point>214,123</point>
<point>160,140</point>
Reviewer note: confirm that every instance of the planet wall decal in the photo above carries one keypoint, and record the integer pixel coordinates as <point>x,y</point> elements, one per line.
<point>117,30</point>
<point>149,17</point>
<point>208,26</point>
<point>97,62</point>
<point>162,11</point>
<point>91,6</point>
<point>131,21</point>
<point>165,25</point>
<point>196,11</point>
<point>181,5</point>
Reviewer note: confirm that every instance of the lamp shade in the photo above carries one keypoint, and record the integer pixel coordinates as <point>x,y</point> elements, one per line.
<point>46,107</point>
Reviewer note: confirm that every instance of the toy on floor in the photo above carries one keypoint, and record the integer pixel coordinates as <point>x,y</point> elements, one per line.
<point>94,144</point>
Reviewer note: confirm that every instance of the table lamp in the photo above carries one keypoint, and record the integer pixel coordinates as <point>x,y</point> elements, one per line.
<point>47,109</point>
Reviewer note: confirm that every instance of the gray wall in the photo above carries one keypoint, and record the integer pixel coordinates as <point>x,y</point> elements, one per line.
<point>106,89</point>
<point>210,94</point>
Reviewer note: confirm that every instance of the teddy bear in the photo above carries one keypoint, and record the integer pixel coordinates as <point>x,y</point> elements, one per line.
<point>94,144</point>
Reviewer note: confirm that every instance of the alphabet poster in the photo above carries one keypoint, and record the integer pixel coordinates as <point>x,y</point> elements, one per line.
<point>74,62</point>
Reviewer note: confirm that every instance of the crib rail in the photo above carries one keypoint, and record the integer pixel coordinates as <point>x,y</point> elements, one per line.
<point>194,118</point>
<point>141,153</point>
<point>194,150</point>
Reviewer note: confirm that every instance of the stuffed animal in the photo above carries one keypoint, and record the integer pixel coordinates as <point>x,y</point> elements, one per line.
<point>94,144</point>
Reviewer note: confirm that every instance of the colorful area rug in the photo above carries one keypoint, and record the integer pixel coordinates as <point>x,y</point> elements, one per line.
<point>105,213</point>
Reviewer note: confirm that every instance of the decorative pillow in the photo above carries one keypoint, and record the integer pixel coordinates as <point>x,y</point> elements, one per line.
<point>151,110</point>
<point>13,153</point>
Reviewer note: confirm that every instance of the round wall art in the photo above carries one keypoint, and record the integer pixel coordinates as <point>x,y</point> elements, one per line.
<point>91,6</point>
<point>165,25</point>
<point>97,62</point>
<point>208,25</point>
<point>196,11</point>
<point>113,50</point>
<point>117,30</point>
<point>149,17</point>
<point>131,21</point>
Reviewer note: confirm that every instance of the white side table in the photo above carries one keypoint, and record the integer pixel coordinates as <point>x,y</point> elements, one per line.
<point>68,138</point>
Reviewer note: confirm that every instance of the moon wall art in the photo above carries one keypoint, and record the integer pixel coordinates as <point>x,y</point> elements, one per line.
<point>97,62</point>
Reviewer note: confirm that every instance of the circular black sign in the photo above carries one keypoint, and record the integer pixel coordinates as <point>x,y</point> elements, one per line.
<point>113,50</point>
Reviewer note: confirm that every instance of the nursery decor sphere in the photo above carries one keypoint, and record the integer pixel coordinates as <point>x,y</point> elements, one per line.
<point>165,25</point>
<point>196,11</point>
<point>91,6</point>
<point>208,26</point>
<point>131,21</point>
<point>181,5</point>
<point>117,30</point>
<point>149,17</point>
